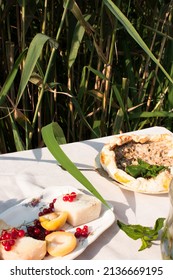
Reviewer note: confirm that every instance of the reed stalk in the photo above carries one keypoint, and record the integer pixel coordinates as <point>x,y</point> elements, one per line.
<point>48,67</point>
<point>95,67</point>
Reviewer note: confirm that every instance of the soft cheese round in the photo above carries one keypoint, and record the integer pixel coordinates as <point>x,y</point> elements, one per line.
<point>25,248</point>
<point>83,209</point>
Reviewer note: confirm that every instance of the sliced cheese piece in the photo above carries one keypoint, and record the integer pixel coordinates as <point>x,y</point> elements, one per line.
<point>83,209</point>
<point>25,248</point>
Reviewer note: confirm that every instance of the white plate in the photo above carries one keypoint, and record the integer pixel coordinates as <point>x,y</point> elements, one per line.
<point>24,212</point>
<point>102,172</point>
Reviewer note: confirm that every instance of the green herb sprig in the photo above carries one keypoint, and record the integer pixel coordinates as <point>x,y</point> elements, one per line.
<point>146,234</point>
<point>144,169</point>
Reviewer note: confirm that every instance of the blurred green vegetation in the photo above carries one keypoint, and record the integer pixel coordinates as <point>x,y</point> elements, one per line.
<point>95,67</point>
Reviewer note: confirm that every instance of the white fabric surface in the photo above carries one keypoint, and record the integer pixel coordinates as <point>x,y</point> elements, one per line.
<point>24,174</point>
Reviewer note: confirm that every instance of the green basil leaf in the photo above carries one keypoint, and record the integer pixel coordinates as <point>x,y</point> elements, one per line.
<point>133,231</point>
<point>151,237</point>
<point>144,169</point>
<point>159,224</point>
<point>146,234</point>
<point>135,170</point>
<point>145,244</point>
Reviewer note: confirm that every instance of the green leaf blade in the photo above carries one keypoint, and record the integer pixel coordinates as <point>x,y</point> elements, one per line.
<point>33,54</point>
<point>55,149</point>
<point>76,41</point>
<point>10,79</point>
<point>134,34</point>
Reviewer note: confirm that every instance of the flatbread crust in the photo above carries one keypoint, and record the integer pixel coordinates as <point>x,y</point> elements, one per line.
<point>125,149</point>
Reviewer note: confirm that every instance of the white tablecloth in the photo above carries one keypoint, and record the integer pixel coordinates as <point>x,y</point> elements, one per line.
<point>23,174</point>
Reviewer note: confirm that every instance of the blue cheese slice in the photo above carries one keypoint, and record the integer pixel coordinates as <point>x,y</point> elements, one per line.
<point>83,209</point>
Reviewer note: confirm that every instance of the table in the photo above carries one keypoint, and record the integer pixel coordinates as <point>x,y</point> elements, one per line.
<point>22,174</point>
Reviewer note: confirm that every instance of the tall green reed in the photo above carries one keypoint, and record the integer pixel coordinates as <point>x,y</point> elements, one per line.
<point>95,68</point>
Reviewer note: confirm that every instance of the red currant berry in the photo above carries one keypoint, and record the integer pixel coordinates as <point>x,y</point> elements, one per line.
<point>4,243</point>
<point>84,234</point>
<point>73,194</point>
<point>70,198</point>
<point>85,227</point>
<point>54,200</point>
<point>14,233</point>
<point>77,234</point>
<point>78,230</point>
<point>11,242</point>
<point>65,197</point>
<point>7,247</point>
<point>7,235</point>
<point>37,231</point>
<point>46,232</point>
<point>84,230</point>
<point>45,211</point>
<point>21,233</point>
<point>4,232</point>
<point>81,232</point>
<point>37,223</point>
<point>51,205</point>
<point>40,213</point>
